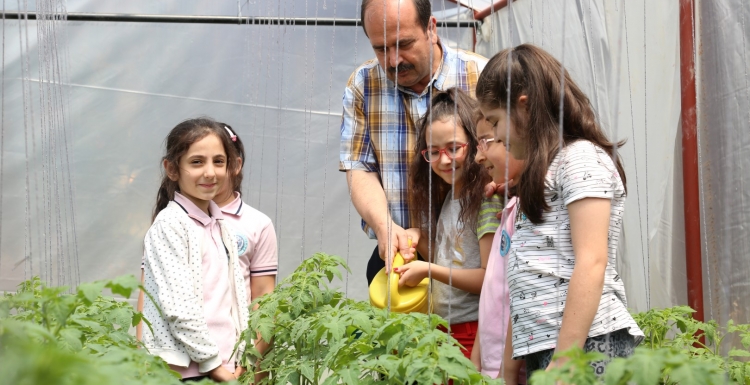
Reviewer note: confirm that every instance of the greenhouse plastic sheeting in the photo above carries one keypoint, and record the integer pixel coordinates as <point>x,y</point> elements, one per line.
<point>128,84</point>
<point>722,57</point>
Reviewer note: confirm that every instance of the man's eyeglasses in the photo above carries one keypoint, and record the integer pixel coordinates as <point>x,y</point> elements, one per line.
<point>484,144</point>
<point>452,151</point>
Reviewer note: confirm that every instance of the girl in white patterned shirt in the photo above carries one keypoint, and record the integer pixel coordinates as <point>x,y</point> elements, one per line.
<point>565,291</point>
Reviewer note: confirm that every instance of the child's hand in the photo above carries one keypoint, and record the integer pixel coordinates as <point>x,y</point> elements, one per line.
<point>493,188</point>
<point>475,358</point>
<point>414,234</point>
<point>221,374</point>
<point>239,371</point>
<point>412,273</point>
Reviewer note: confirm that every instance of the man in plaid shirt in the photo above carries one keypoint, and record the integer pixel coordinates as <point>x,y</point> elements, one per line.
<point>383,100</point>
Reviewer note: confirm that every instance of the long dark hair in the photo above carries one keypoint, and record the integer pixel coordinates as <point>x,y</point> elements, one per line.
<point>453,103</point>
<point>178,142</point>
<point>240,149</point>
<point>536,74</point>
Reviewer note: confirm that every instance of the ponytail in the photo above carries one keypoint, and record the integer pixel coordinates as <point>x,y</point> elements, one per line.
<point>165,194</point>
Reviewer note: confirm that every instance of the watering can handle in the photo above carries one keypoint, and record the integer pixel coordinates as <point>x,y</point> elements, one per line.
<point>398,260</point>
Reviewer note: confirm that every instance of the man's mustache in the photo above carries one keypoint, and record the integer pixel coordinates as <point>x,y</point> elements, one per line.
<point>400,68</point>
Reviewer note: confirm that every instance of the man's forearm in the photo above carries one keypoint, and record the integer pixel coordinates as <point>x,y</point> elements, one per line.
<point>368,198</point>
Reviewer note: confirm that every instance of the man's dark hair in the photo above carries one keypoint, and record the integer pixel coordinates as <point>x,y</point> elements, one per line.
<point>424,11</point>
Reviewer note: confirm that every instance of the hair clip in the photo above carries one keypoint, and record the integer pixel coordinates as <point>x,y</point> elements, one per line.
<point>231,134</point>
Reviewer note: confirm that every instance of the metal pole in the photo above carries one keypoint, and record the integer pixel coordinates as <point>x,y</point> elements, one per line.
<point>185,19</point>
<point>690,179</point>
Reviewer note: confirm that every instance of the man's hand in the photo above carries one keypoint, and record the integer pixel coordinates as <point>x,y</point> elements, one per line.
<point>412,241</point>
<point>221,374</point>
<point>412,273</point>
<point>399,242</point>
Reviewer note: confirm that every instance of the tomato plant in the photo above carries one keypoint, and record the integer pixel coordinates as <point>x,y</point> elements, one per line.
<point>50,336</point>
<point>321,337</point>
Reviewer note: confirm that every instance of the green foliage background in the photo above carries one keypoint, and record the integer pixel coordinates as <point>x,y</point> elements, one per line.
<point>51,336</point>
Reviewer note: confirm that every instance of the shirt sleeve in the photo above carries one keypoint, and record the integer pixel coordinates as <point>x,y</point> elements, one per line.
<point>586,171</point>
<point>487,222</point>
<point>166,249</point>
<point>356,151</point>
<point>265,259</point>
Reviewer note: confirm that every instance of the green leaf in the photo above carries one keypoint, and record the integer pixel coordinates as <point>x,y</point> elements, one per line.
<point>124,285</point>
<point>739,353</point>
<point>307,371</point>
<point>694,374</point>
<point>649,366</point>
<point>617,373</point>
<point>72,337</point>
<point>90,291</point>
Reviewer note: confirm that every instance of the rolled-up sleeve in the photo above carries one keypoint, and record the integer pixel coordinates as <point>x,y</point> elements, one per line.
<point>356,150</point>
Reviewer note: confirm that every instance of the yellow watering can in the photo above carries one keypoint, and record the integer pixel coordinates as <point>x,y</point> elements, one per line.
<point>403,300</point>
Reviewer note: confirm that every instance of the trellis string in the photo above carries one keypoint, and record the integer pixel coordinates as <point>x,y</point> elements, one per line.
<point>310,85</point>
<point>635,157</point>
<point>328,130</point>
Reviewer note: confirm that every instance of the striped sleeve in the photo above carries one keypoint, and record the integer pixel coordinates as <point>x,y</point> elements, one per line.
<point>487,222</point>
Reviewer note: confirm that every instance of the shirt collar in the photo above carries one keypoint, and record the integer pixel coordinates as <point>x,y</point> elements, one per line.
<point>512,202</point>
<point>196,213</point>
<point>234,207</point>
<point>438,79</point>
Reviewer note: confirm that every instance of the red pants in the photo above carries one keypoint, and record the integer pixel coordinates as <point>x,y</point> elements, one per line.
<point>465,333</point>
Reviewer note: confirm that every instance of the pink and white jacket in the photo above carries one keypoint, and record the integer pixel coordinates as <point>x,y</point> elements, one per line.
<point>173,275</point>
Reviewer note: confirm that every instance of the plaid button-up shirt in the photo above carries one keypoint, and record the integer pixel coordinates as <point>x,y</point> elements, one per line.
<point>379,123</point>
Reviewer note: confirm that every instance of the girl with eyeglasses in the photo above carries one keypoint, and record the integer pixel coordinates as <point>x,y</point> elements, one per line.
<point>449,209</point>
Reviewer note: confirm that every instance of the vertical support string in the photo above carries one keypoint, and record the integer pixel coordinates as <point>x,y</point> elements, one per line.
<point>741,149</point>
<point>328,131</point>
<point>385,178</point>
<point>279,171</point>
<point>44,253</point>
<point>65,172</point>
<point>265,97</point>
<point>561,148</point>
<point>615,79</point>
<point>308,124</point>
<point>701,188</point>
<point>244,110</point>
<point>65,79</point>
<point>2,136</point>
<point>28,265</point>
<point>644,259</point>
<point>430,240</point>
<point>387,185</point>
<point>348,173</point>
<point>507,157</point>
<point>645,130</point>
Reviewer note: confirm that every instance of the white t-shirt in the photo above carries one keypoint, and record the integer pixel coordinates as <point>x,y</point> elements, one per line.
<point>541,260</point>
<point>457,247</point>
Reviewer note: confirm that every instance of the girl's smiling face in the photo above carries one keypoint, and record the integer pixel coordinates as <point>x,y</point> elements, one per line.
<point>505,127</point>
<point>447,147</point>
<point>202,171</point>
<point>495,157</point>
